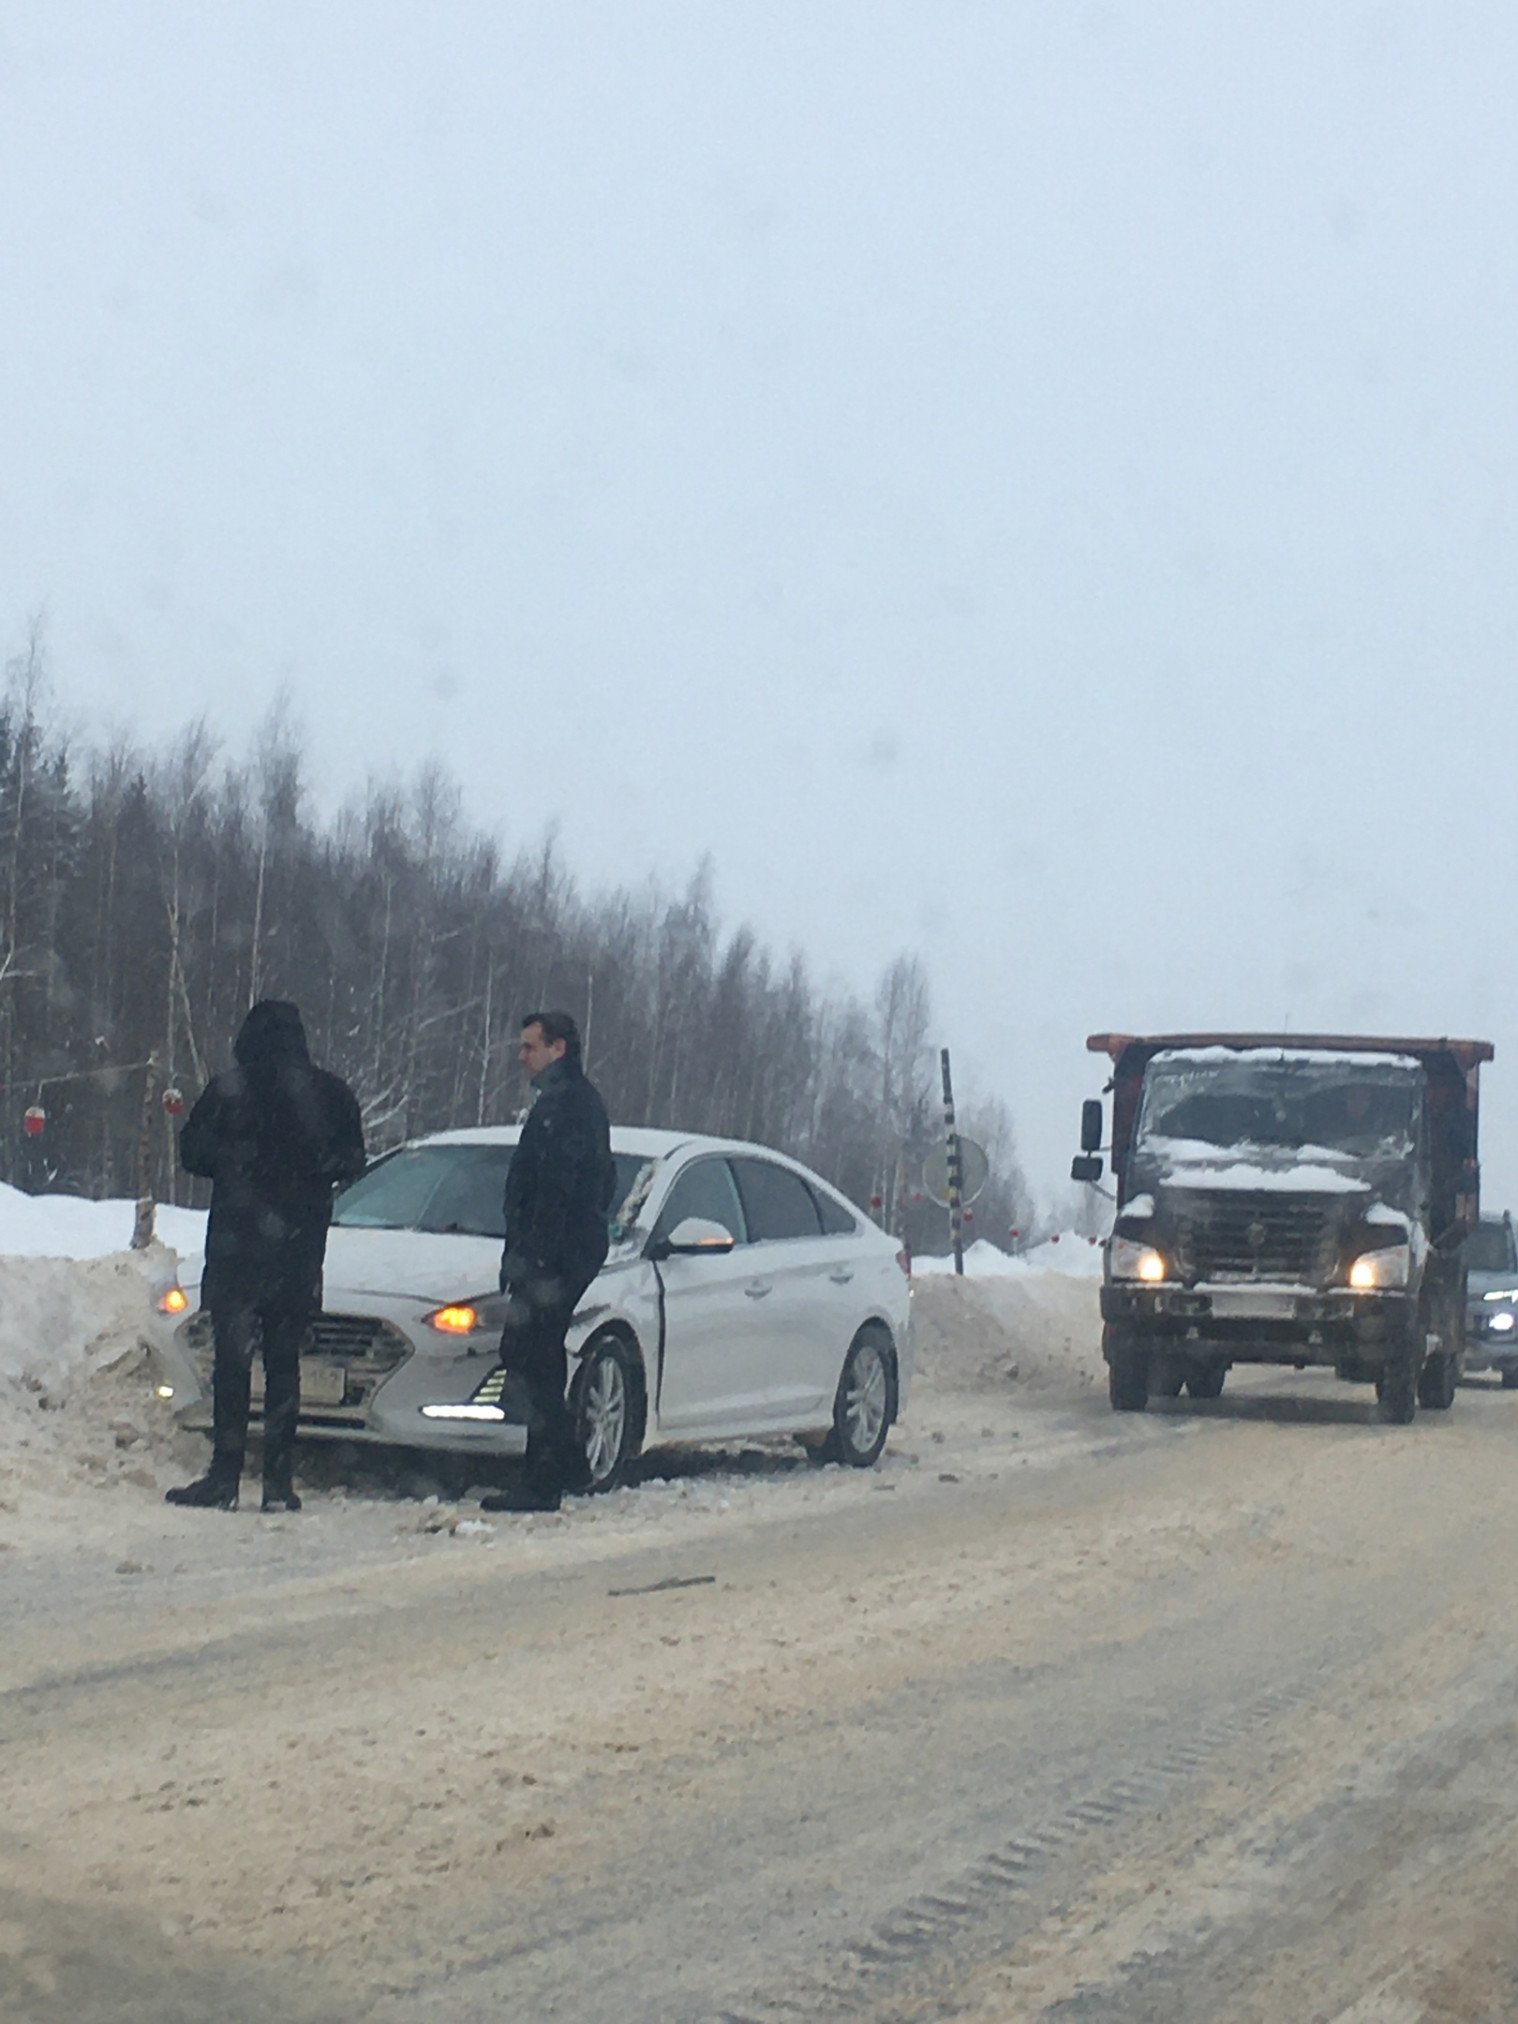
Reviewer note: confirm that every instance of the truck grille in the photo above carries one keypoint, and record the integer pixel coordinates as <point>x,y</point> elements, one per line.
<point>1269,1237</point>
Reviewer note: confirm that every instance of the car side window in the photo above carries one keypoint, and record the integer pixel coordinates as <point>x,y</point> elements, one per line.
<point>776,1202</point>
<point>837,1221</point>
<point>705,1188</point>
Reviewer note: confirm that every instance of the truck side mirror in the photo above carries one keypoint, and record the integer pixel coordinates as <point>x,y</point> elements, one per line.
<point>1091,1124</point>
<point>1086,1168</point>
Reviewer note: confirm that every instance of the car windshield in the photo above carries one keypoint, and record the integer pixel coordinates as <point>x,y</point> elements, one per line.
<point>1489,1248</point>
<point>452,1190</point>
<point>1273,1102</point>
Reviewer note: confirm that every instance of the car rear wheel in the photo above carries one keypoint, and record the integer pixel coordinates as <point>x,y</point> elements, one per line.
<point>607,1395</point>
<point>865,1404</point>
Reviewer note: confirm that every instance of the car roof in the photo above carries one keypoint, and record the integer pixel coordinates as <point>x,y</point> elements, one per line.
<point>642,1142</point>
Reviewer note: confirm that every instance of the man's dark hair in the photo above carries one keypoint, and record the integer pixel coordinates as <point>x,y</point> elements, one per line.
<point>556,1026</point>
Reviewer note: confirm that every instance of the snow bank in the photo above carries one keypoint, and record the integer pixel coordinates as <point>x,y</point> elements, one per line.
<point>74,1299</point>
<point>68,1226</point>
<point>1031,1328</point>
<point>64,1319</point>
<point>1070,1256</point>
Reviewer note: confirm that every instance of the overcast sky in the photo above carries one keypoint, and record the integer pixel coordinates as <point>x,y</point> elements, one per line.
<point>1029,482</point>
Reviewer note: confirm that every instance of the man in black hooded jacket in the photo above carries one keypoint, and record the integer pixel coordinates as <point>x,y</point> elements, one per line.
<point>274,1136</point>
<point>558,1192</point>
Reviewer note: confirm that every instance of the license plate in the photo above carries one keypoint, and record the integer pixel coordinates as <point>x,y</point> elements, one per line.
<point>1248,1304</point>
<point>321,1384</point>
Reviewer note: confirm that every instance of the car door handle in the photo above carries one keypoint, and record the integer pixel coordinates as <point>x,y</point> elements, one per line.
<point>757,1288</point>
<point>841,1274</point>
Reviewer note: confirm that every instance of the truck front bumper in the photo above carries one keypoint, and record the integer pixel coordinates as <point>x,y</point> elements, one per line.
<point>1292,1314</point>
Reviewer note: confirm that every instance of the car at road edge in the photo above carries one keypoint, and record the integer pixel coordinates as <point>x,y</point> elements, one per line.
<point>742,1297</point>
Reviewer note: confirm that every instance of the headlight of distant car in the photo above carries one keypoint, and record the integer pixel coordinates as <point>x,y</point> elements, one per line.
<point>1390,1266</point>
<point>173,1300</point>
<point>1502,1323</point>
<point>1129,1258</point>
<point>1502,1293</point>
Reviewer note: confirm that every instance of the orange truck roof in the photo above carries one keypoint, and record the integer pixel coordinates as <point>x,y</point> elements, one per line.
<point>1468,1054</point>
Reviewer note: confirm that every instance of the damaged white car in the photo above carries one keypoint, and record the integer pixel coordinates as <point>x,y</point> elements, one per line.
<point>742,1296</point>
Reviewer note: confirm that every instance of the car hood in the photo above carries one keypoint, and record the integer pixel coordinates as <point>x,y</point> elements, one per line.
<point>410,1264</point>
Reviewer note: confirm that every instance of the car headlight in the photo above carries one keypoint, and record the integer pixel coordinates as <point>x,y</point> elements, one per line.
<point>1129,1259</point>
<point>1502,1293</point>
<point>1375,1269</point>
<point>1503,1323</point>
<point>457,1318</point>
<point>174,1300</point>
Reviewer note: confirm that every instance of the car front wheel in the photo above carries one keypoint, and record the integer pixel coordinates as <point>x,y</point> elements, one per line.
<point>607,1394</point>
<point>865,1404</point>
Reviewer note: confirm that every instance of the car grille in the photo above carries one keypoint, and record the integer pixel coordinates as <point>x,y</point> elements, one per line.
<point>363,1347</point>
<point>1269,1237</point>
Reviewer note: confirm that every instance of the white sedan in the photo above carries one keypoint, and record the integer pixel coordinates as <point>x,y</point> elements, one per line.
<point>742,1296</point>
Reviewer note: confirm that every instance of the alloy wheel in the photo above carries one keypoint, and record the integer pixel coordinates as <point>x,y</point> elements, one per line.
<point>604,1417</point>
<point>866,1398</point>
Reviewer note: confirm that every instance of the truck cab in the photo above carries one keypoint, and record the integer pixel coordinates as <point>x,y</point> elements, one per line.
<point>1289,1200</point>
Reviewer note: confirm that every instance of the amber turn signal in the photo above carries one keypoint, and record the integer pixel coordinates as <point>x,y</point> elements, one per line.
<point>175,1301</point>
<point>454,1320</point>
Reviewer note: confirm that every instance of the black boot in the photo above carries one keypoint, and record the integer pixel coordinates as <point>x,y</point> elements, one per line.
<point>216,1490</point>
<point>522,1497</point>
<point>279,1494</point>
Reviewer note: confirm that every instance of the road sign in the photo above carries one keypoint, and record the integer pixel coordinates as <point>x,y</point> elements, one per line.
<point>974,1168</point>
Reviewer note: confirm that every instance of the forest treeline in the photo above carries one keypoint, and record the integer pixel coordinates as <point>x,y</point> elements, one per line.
<point>146,899</point>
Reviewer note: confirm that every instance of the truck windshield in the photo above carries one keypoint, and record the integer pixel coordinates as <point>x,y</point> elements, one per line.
<point>1271,1101</point>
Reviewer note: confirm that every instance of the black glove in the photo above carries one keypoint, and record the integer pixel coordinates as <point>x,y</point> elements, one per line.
<point>516,1269</point>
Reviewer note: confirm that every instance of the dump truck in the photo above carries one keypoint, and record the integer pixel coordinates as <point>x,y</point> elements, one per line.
<point>1286,1199</point>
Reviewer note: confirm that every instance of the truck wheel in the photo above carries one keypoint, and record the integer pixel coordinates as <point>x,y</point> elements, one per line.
<point>1167,1377</point>
<point>1436,1382</point>
<point>1510,1377</point>
<point>1127,1372</point>
<point>1206,1380</point>
<point>1397,1386</point>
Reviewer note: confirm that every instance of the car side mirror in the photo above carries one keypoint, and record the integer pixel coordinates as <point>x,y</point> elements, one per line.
<point>1091,1124</point>
<point>695,1237</point>
<point>1087,1167</point>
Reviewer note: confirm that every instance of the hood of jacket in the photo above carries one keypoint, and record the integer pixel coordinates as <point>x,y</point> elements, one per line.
<point>271,1036</point>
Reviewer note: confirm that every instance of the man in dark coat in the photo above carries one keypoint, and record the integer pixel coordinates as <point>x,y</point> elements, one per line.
<point>274,1136</point>
<point>558,1194</point>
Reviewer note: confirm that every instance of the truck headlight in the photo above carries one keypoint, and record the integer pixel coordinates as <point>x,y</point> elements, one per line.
<point>1375,1269</point>
<point>1131,1260</point>
<point>1503,1323</point>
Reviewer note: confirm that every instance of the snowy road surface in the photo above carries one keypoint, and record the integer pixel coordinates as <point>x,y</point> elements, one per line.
<point>1197,1718</point>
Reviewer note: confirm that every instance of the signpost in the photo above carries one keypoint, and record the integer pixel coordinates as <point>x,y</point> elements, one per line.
<point>954,1177</point>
